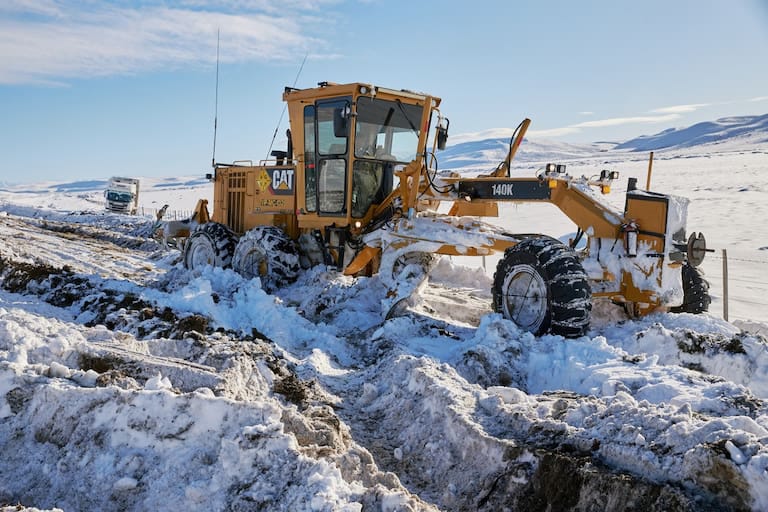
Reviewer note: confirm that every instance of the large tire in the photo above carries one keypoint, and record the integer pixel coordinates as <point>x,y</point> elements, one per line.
<point>541,285</point>
<point>269,253</point>
<point>210,244</point>
<point>696,298</point>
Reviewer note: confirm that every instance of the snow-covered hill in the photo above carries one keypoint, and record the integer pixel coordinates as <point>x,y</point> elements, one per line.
<point>490,152</point>
<point>733,130</point>
<point>727,134</point>
<point>129,383</point>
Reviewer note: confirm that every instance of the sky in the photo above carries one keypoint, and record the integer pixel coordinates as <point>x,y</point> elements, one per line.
<point>90,89</point>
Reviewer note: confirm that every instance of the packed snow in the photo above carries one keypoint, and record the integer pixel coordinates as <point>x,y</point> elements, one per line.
<point>129,383</point>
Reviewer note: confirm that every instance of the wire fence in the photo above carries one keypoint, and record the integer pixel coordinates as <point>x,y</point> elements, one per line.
<point>744,295</point>
<point>169,214</point>
<point>747,285</point>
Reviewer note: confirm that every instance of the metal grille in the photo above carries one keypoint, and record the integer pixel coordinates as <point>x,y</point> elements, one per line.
<point>236,201</point>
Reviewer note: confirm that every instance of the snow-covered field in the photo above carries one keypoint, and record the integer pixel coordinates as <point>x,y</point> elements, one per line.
<point>127,383</point>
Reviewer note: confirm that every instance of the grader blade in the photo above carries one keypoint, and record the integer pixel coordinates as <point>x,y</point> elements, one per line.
<point>411,248</point>
<point>410,273</point>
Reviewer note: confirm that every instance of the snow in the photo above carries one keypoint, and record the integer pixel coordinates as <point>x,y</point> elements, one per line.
<point>128,383</point>
<point>725,129</point>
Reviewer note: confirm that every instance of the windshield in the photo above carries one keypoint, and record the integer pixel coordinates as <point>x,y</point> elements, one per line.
<point>387,130</point>
<point>120,197</point>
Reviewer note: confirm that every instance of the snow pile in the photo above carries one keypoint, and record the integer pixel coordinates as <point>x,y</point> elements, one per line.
<point>128,383</point>
<point>153,443</point>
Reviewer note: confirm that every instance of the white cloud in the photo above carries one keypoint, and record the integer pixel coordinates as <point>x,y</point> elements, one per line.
<point>257,5</point>
<point>492,133</point>
<point>49,41</point>
<point>758,99</point>
<point>602,123</point>
<point>554,132</point>
<point>565,130</point>
<point>681,109</point>
<point>617,121</point>
<point>44,7</point>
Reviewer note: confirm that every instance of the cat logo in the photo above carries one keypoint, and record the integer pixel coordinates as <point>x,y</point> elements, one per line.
<point>282,181</point>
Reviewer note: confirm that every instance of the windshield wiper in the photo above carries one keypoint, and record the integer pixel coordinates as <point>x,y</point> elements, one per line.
<point>405,114</point>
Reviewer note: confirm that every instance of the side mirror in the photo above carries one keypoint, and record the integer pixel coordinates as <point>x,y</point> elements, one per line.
<point>340,116</point>
<point>442,135</point>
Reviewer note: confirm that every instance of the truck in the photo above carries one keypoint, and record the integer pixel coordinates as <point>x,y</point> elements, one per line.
<point>358,189</point>
<point>122,195</point>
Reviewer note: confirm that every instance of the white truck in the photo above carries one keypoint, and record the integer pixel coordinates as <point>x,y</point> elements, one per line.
<point>122,195</point>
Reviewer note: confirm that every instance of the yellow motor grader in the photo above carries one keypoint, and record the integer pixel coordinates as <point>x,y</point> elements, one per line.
<point>358,189</point>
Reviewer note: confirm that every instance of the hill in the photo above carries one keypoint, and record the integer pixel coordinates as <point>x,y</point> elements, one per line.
<point>489,152</point>
<point>728,129</point>
<point>729,133</point>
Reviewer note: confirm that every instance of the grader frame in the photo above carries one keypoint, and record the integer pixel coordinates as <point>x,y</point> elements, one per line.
<point>355,190</point>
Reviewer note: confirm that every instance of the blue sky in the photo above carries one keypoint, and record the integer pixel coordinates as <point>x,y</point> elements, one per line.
<point>89,89</point>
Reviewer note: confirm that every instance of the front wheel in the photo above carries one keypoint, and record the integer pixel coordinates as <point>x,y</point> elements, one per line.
<point>541,285</point>
<point>210,244</point>
<point>269,253</point>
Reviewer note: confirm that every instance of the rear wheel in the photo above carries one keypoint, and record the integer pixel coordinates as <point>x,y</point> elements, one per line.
<point>269,253</point>
<point>696,298</point>
<point>541,285</point>
<point>210,244</point>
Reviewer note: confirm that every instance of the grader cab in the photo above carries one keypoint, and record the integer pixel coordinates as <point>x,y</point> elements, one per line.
<point>356,190</point>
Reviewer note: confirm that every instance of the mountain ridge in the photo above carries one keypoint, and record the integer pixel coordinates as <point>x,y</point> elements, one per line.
<point>706,132</point>
<point>752,129</point>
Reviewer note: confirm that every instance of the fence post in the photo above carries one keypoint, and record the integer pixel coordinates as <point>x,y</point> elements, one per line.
<point>725,285</point>
<point>650,168</point>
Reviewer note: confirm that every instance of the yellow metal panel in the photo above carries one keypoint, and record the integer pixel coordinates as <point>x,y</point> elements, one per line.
<point>475,209</point>
<point>649,212</point>
<point>585,212</point>
<point>362,259</point>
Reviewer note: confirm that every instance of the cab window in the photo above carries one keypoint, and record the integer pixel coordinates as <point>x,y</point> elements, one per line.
<point>332,135</point>
<point>310,177</point>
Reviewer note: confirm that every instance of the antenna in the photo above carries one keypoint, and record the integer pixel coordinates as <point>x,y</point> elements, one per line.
<point>285,106</point>
<point>216,108</point>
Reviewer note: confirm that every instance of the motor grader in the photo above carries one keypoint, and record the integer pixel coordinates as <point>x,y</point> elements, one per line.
<point>358,189</point>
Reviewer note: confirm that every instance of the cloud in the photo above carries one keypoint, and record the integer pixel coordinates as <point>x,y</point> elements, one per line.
<point>492,133</point>
<point>664,115</point>
<point>44,7</point>
<point>602,123</point>
<point>45,41</point>
<point>617,121</point>
<point>555,132</point>
<point>565,130</point>
<point>681,109</point>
